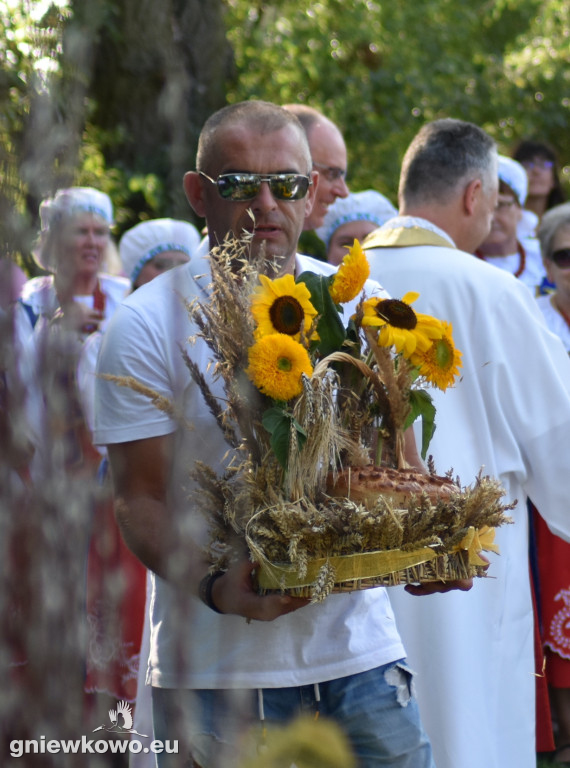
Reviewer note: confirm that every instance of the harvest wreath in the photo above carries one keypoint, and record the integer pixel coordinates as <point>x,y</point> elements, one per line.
<point>317,489</point>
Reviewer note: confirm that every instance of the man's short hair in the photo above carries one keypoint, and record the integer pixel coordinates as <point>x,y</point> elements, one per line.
<point>444,155</point>
<point>261,116</point>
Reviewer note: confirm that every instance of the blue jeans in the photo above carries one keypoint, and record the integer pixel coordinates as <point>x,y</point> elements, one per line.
<point>376,710</point>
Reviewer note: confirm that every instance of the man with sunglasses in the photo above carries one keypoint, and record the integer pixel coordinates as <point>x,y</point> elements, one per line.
<point>510,414</point>
<point>213,674</point>
<point>328,152</point>
<point>231,185</point>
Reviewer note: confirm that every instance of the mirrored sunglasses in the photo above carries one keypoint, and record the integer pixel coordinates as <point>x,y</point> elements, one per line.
<point>561,258</point>
<point>245,186</point>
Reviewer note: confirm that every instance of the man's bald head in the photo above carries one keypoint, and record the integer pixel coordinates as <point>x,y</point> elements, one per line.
<point>328,151</point>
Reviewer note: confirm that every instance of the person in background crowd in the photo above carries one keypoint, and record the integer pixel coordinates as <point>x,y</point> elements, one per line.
<point>15,448</point>
<point>352,218</point>
<point>509,413</point>
<point>544,188</point>
<point>153,247</point>
<point>541,164</point>
<point>328,152</point>
<point>503,247</point>
<point>12,280</point>
<point>56,313</point>
<point>74,242</point>
<point>553,554</point>
<point>554,237</point>
<point>54,318</point>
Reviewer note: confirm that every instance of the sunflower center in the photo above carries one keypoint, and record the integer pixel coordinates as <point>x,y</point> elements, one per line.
<point>443,353</point>
<point>284,364</point>
<point>397,314</point>
<point>287,315</point>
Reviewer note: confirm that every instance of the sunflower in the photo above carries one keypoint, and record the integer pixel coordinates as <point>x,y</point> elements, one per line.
<point>282,306</point>
<point>440,363</point>
<point>351,275</point>
<point>276,362</point>
<point>399,325</point>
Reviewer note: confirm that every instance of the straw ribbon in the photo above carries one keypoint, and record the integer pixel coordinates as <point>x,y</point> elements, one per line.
<point>363,565</point>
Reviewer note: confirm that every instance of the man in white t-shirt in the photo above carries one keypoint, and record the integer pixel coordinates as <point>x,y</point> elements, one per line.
<point>213,673</point>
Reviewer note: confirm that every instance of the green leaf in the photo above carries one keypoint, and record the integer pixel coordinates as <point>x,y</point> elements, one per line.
<point>422,405</point>
<point>278,423</point>
<point>330,327</point>
<point>280,442</point>
<point>272,417</point>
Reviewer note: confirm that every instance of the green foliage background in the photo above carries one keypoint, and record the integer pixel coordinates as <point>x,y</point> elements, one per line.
<point>380,70</point>
<point>113,92</point>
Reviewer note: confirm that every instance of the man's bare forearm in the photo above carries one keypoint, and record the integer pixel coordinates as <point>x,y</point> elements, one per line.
<point>146,527</point>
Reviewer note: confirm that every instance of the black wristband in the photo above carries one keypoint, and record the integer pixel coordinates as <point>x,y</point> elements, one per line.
<point>205,589</point>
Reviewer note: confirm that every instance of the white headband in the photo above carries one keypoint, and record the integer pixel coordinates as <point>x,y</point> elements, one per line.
<point>358,206</point>
<point>74,200</point>
<point>149,238</point>
<point>512,173</point>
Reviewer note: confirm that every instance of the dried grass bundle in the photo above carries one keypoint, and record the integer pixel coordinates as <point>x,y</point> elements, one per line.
<point>226,325</point>
<point>317,411</point>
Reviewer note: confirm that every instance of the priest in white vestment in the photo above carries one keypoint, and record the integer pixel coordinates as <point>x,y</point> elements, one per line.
<point>510,414</point>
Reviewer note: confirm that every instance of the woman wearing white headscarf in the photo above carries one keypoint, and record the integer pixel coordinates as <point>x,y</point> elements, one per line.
<point>353,218</point>
<point>74,243</point>
<point>509,245</point>
<point>55,316</point>
<point>153,247</point>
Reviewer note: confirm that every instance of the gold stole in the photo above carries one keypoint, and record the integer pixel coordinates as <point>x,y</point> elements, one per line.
<point>402,237</point>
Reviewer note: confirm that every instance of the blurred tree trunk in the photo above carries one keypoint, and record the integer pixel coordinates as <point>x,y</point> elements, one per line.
<point>57,111</point>
<point>160,68</point>
<point>144,75</point>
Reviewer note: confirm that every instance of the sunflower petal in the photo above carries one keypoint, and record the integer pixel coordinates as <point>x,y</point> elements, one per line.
<point>410,297</point>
